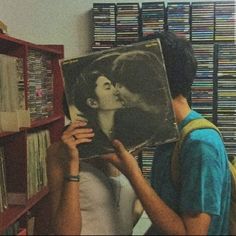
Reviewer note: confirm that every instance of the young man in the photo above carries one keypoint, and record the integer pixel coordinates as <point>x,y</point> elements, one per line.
<point>201,205</point>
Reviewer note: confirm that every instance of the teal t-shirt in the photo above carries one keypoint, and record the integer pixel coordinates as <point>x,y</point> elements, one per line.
<point>205,177</point>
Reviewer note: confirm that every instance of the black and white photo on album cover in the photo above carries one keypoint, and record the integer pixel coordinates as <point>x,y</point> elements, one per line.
<point>123,94</point>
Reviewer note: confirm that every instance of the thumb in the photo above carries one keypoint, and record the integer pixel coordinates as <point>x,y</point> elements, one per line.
<point>119,147</point>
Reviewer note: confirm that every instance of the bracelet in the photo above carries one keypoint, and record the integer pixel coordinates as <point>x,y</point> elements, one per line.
<point>73,178</point>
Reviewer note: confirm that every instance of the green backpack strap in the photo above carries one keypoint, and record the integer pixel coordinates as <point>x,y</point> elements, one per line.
<point>232,167</point>
<point>232,218</point>
<point>200,123</point>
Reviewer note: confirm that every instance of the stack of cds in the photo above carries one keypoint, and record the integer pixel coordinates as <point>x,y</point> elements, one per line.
<point>153,16</point>
<point>202,88</point>
<point>40,85</point>
<point>147,158</point>
<point>104,20</point>
<point>202,21</point>
<point>225,19</point>
<point>127,23</point>
<point>178,18</point>
<point>226,104</point>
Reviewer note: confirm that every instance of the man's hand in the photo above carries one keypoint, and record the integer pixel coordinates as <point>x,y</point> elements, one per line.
<point>123,160</point>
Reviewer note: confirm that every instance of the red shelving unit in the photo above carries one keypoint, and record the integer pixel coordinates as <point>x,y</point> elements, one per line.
<point>15,143</point>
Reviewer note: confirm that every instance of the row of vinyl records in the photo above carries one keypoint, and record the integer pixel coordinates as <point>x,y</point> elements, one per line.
<point>124,23</point>
<point>14,88</point>
<point>37,144</point>
<point>12,96</point>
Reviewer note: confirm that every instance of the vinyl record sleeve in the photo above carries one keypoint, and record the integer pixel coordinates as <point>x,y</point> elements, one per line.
<point>123,93</point>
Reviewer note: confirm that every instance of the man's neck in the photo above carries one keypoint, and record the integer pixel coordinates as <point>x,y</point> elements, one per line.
<point>181,108</point>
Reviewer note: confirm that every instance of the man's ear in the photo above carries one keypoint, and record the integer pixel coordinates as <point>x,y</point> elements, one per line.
<point>92,103</point>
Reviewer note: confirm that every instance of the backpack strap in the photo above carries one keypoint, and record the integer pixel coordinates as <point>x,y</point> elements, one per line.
<point>200,123</point>
<point>232,218</point>
<point>232,167</point>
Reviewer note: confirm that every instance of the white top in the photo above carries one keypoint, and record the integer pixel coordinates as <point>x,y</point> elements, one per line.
<point>125,199</point>
<point>106,203</point>
<point>98,210</point>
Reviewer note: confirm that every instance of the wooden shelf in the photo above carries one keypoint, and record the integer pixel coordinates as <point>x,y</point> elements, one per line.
<point>14,212</point>
<point>38,123</point>
<point>34,124</point>
<point>7,40</point>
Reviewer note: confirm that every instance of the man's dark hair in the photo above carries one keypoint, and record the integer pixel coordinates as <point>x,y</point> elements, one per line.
<point>139,71</point>
<point>180,62</point>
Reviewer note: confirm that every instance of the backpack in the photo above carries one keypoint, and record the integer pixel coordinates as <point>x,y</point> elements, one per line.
<point>202,123</point>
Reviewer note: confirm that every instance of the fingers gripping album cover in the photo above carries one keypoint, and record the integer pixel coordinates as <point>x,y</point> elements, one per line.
<point>123,94</point>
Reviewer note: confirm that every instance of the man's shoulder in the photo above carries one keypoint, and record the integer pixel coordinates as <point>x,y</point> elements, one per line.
<point>204,145</point>
<point>205,135</point>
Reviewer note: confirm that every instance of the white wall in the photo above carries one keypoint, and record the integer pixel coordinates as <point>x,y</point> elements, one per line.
<point>67,22</point>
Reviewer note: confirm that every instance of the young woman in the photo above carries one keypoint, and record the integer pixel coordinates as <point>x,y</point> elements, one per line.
<point>89,196</point>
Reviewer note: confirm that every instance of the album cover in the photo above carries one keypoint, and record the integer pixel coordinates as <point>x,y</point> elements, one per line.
<point>123,94</point>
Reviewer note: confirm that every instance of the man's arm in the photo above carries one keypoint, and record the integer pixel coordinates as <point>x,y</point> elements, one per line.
<point>64,196</point>
<point>162,217</point>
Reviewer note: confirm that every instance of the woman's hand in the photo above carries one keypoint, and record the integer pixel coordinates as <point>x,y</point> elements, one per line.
<point>74,135</point>
<point>63,180</point>
<point>123,160</point>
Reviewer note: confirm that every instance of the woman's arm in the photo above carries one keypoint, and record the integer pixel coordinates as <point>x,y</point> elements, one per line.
<point>63,159</point>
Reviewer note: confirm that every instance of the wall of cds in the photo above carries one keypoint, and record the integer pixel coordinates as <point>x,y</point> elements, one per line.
<point>118,24</point>
<point>209,25</point>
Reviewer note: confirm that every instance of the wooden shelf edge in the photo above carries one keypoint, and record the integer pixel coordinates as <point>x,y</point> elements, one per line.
<point>56,49</point>
<point>34,124</point>
<point>14,212</point>
<point>11,39</point>
<point>45,121</point>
